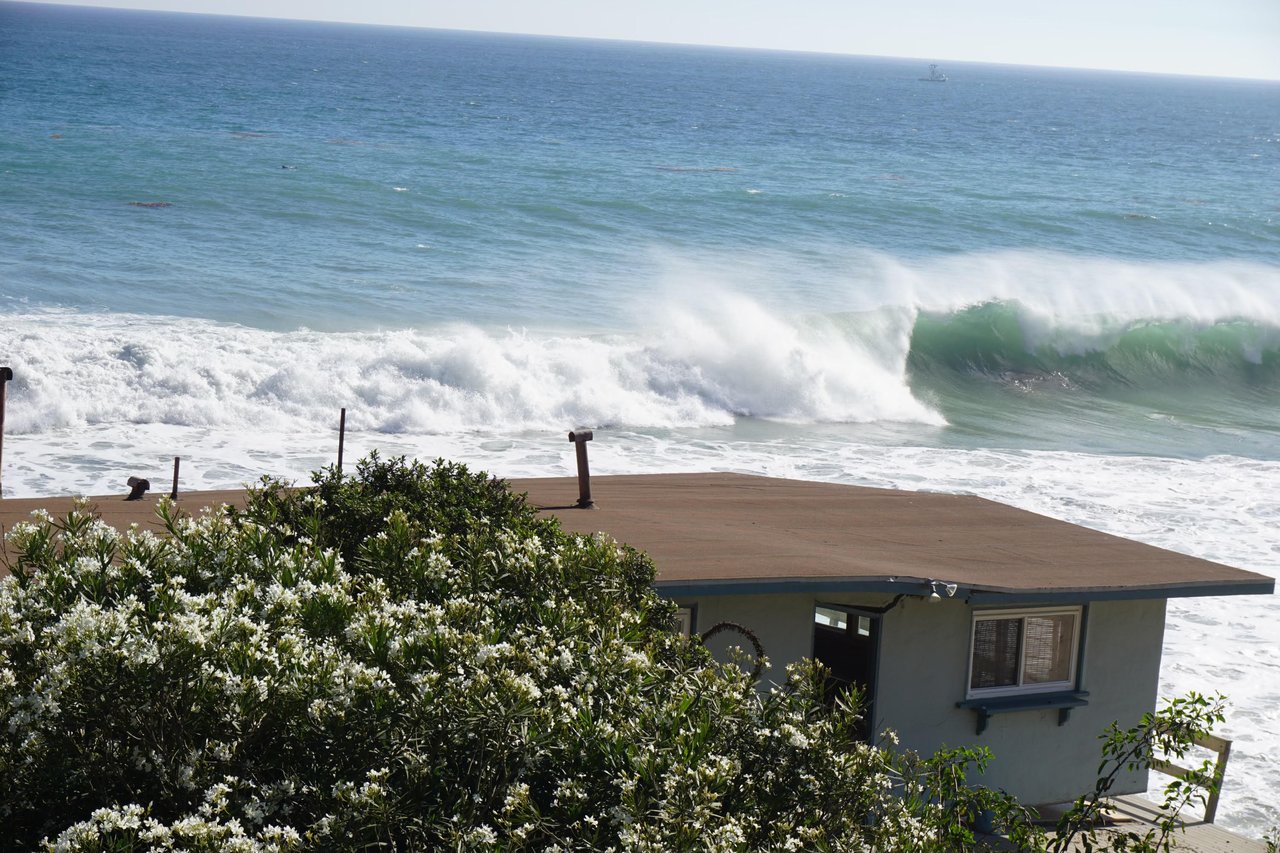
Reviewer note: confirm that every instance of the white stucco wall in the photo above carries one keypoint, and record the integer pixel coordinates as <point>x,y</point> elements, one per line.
<point>924,656</point>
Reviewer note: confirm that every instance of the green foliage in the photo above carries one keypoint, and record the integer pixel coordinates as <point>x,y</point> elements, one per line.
<point>341,512</point>
<point>409,659</point>
<point>1169,732</point>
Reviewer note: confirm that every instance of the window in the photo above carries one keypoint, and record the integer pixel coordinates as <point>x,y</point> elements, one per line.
<point>684,621</point>
<point>1024,651</point>
<point>839,619</point>
<point>831,617</point>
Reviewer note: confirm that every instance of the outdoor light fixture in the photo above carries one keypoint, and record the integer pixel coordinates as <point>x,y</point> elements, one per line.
<point>934,586</point>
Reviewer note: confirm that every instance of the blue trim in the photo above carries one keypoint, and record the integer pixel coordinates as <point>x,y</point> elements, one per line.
<point>920,586</point>
<point>763,586</point>
<point>877,626</point>
<point>692,607</point>
<point>1081,647</point>
<point>863,609</point>
<point>1083,596</point>
<point>988,707</point>
<point>876,616</point>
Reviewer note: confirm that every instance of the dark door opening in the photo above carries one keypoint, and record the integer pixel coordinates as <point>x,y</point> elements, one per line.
<point>846,642</point>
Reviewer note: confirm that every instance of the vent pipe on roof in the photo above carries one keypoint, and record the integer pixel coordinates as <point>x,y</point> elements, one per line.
<point>137,488</point>
<point>580,438</point>
<point>6,374</point>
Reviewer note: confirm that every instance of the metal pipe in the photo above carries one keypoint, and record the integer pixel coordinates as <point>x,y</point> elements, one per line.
<point>137,488</point>
<point>173,496</point>
<point>580,439</point>
<point>342,435</point>
<point>5,375</point>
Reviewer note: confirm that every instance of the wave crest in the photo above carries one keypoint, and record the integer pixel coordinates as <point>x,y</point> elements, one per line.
<point>701,361</point>
<point>702,368</point>
<point>998,339</point>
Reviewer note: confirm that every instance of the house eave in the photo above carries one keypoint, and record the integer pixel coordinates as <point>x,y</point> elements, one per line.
<point>1083,595</point>
<point>923,587</point>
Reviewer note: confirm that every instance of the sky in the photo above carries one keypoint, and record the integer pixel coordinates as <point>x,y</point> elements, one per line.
<point>1221,38</point>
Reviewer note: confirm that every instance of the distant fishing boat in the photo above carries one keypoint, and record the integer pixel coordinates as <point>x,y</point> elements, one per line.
<point>935,76</point>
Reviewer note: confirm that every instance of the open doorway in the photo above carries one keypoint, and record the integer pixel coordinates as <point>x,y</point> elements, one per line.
<point>846,642</point>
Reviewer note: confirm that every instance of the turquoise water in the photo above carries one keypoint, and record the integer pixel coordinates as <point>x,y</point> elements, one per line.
<point>1059,289</point>
<point>1120,230</point>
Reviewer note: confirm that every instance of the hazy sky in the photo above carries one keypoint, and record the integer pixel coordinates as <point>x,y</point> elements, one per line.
<point>1235,38</point>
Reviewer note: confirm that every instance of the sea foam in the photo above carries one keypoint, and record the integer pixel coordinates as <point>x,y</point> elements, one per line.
<point>702,368</point>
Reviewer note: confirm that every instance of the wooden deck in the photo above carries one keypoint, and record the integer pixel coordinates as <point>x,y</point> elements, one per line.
<point>1137,813</point>
<point>1195,836</point>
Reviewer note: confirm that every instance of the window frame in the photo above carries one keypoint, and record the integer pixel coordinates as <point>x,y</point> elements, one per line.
<point>843,619</point>
<point>1022,688</point>
<point>686,619</point>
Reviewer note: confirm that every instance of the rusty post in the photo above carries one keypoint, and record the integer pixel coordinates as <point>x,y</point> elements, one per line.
<point>580,439</point>
<point>173,496</point>
<point>5,375</point>
<point>342,435</point>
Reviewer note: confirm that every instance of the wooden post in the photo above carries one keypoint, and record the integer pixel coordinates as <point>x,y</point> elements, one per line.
<point>173,496</point>
<point>580,438</point>
<point>1220,745</point>
<point>5,375</point>
<point>342,434</point>
<point>1223,747</point>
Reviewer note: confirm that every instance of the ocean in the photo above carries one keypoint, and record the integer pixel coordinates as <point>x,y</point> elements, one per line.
<point>1055,288</point>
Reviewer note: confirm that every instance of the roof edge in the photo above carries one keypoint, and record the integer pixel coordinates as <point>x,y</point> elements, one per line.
<point>1200,590</point>
<point>922,587</point>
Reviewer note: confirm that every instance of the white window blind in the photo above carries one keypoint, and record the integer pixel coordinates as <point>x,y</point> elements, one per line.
<point>1024,650</point>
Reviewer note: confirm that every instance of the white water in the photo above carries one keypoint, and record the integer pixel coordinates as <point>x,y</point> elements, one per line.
<point>708,367</point>
<point>98,398</point>
<point>709,345</point>
<point>1081,292</point>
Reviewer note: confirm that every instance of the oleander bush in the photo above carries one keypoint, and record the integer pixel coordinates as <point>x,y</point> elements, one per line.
<point>409,659</point>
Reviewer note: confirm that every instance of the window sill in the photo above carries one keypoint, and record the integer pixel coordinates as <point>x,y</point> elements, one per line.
<point>987,707</point>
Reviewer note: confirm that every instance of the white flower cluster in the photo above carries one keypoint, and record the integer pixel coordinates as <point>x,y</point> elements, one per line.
<point>107,825</point>
<point>503,689</point>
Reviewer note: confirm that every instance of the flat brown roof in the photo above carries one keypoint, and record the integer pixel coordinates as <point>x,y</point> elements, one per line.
<point>734,533</point>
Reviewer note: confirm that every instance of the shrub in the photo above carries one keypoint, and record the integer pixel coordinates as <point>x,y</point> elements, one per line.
<point>342,512</point>
<point>409,659</point>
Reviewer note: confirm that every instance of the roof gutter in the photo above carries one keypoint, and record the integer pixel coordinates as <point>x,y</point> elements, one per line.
<point>925,587</point>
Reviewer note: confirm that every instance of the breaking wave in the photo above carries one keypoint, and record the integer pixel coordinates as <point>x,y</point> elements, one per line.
<point>699,361</point>
<point>1003,340</point>
<point>74,370</point>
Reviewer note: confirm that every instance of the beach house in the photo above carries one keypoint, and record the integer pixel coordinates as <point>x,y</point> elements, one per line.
<point>962,620</point>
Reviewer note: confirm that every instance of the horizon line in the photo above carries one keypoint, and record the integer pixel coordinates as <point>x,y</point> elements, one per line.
<point>640,41</point>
